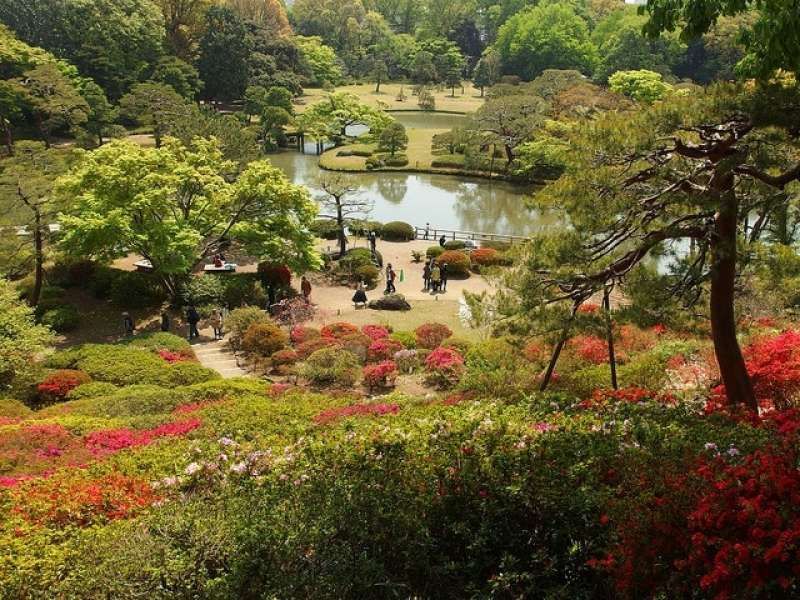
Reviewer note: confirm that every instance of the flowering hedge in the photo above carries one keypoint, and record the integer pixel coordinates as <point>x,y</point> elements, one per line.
<point>356,410</point>
<point>301,334</point>
<point>484,257</point>
<point>375,332</point>
<point>383,349</point>
<point>307,348</point>
<point>338,330</point>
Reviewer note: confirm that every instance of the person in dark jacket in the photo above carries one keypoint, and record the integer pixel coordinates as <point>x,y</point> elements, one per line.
<point>193,318</point>
<point>165,323</point>
<point>426,276</point>
<point>442,241</point>
<point>443,274</point>
<point>128,324</point>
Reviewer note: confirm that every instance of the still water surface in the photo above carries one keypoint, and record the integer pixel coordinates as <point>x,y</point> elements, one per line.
<point>444,201</point>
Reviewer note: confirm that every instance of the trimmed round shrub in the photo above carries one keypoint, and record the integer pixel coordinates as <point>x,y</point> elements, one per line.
<point>93,389</point>
<point>444,367</point>
<point>380,375</point>
<point>13,409</point>
<point>131,401</point>
<point>375,332</point>
<point>62,319</point>
<point>274,274</point>
<point>458,263</point>
<point>383,350</point>
<point>361,227</point>
<point>496,245</point>
<point>390,302</point>
<point>369,274</point>
<point>302,333</point>
<point>56,386</point>
<point>455,245</point>
<point>187,373</point>
<point>407,338</point>
<point>485,257</point>
<point>358,257</point>
<point>161,340</point>
<point>331,367</point>
<point>121,365</point>
<point>338,330</point>
<point>431,335</point>
<point>239,321</point>
<point>459,344</point>
<point>284,357</point>
<point>264,339</point>
<point>308,348</point>
<point>398,231</point>
<point>325,229</point>
<point>358,344</point>
<point>434,252</point>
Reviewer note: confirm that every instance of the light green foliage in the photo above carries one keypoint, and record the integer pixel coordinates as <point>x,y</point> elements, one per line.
<point>487,71</point>
<point>261,209</point>
<point>642,85</point>
<point>240,320</point>
<point>20,338</point>
<point>331,367</point>
<point>111,41</point>
<point>548,36</point>
<point>321,60</point>
<point>330,117</point>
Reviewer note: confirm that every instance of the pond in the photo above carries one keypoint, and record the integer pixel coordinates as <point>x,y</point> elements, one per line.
<point>444,201</point>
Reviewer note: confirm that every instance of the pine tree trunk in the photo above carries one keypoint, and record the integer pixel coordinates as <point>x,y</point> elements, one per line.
<point>551,368</point>
<point>38,253</point>
<point>612,356</point>
<point>340,224</point>
<point>738,387</point>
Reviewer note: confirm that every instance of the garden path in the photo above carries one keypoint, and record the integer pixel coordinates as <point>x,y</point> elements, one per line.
<point>216,355</point>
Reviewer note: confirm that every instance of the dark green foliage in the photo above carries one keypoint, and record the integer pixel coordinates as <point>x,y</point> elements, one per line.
<point>397,231</point>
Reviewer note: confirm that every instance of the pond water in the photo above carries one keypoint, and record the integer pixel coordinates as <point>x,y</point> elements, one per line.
<point>444,201</point>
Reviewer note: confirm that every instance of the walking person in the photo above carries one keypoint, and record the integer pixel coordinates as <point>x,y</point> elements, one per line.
<point>442,241</point>
<point>128,324</point>
<point>427,230</point>
<point>436,278</point>
<point>193,318</point>
<point>443,275</point>
<point>373,241</point>
<point>305,287</point>
<point>426,276</point>
<point>165,321</point>
<point>216,323</point>
<point>390,277</point>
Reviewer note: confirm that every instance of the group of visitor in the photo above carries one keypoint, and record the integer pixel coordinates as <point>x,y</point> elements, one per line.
<point>427,233</point>
<point>216,321</point>
<point>434,276</point>
<point>219,260</point>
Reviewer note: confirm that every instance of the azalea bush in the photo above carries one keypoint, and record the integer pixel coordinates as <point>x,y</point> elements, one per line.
<point>338,330</point>
<point>331,367</point>
<point>240,320</point>
<point>444,367</point>
<point>380,375</point>
<point>458,263</point>
<point>431,335</point>
<point>56,386</point>
<point>302,333</point>
<point>383,349</point>
<point>375,332</point>
<point>307,348</point>
<point>264,339</point>
<point>407,360</point>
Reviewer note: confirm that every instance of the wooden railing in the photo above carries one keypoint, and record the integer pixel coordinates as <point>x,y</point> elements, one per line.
<point>434,234</point>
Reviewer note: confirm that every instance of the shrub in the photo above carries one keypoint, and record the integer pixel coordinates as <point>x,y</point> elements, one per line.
<point>291,311</point>
<point>375,332</point>
<point>361,227</point>
<point>434,252</point>
<point>458,263</point>
<point>356,410</point>
<point>71,273</point>
<point>406,338</point>
<point>325,229</point>
<point>444,367</point>
<point>461,345</point>
<point>358,257</point>
<point>135,290</point>
<point>406,360</point>
<point>357,343</point>
<point>399,160</point>
<point>203,291</point>
<point>62,319</point>
<point>307,348</point>
<point>416,256</point>
<point>241,290</point>
<point>264,339</point>
<point>58,384</point>
<point>187,373</point>
<point>331,367</point>
<point>133,400</point>
<point>239,321</point>
<point>590,348</point>
<point>121,365</point>
<point>283,358</point>
<point>275,275</point>
<point>495,245</point>
<point>431,335</point>
<point>301,334</point>
<point>162,340</point>
<point>369,274</point>
<point>12,409</point>
<point>380,375</point>
<point>484,257</point>
<point>398,231</point>
<point>93,389</point>
<point>455,245</point>
<point>338,330</point>
<point>494,370</point>
<point>383,349</point>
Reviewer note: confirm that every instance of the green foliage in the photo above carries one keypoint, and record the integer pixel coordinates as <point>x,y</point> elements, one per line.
<point>548,36</point>
<point>21,340</point>
<point>642,86</point>
<point>393,138</point>
<point>178,74</point>
<point>325,229</point>
<point>161,340</point>
<point>93,389</point>
<point>224,50</point>
<point>434,251</point>
<point>329,118</point>
<point>240,320</point>
<point>321,60</point>
<point>61,319</point>
<point>331,367</point>
<point>13,409</point>
<point>264,339</point>
<point>397,231</point>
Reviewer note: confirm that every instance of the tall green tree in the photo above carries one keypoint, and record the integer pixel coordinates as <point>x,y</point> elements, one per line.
<point>179,74</point>
<point>101,115</point>
<point>393,138</point>
<point>690,170</point>
<point>330,118</point>
<point>177,205</point>
<point>548,36</point>
<point>487,71</point>
<point>223,60</point>
<point>510,121</point>
<point>156,105</point>
<point>771,43</point>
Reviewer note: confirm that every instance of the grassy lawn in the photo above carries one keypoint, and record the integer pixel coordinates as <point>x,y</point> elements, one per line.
<point>469,101</point>
<point>419,154</point>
